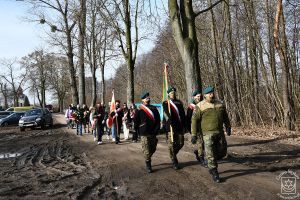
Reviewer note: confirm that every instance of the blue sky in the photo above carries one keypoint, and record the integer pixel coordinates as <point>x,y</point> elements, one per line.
<point>17,37</point>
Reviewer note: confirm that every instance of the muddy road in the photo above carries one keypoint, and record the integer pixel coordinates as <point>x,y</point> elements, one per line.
<point>57,164</point>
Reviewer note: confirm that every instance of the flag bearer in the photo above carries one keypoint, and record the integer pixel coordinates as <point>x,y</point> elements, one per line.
<point>174,121</point>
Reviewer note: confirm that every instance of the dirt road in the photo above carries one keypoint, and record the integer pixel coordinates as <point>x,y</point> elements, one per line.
<point>57,164</point>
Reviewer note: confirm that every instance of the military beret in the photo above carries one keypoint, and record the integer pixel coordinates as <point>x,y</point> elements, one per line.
<point>145,95</point>
<point>209,89</point>
<point>171,89</point>
<point>196,92</point>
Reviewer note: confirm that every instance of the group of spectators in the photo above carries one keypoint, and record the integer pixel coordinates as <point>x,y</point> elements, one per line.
<point>93,121</point>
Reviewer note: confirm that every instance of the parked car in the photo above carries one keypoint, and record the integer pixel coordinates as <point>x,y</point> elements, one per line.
<point>12,119</point>
<point>40,117</point>
<point>4,114</point>
<point>50,108</point>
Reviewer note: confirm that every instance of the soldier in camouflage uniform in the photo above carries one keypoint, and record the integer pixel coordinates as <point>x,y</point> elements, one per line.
<point>147,122</point>
<point>199,152</point>
<point>210,114</point>
<point>175,120</point>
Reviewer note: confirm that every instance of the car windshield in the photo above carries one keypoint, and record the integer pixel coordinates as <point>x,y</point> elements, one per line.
<point>33,112</point>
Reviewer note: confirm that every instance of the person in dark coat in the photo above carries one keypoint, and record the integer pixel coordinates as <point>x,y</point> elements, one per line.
<point>174,122</point>
<point>99,115</point>
<point>147,121</point>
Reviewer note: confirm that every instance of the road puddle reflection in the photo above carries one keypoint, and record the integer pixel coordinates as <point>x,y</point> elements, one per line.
<point>9,155</point>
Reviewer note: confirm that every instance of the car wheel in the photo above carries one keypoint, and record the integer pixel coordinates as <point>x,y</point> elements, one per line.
<point>5,124</point>
<point>51,124</point>
<point>22,129</point>
<point>43,126</point>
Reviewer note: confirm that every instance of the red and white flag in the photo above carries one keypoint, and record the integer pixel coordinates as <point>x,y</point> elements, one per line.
<point>110,119</point>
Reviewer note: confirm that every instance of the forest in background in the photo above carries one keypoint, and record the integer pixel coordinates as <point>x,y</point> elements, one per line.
<point>248,50</point>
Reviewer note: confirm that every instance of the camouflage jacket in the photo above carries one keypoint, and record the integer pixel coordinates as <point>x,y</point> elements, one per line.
<point>209,117</point>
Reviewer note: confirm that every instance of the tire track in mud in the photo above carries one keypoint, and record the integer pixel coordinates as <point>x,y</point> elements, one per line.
<point>47,160</point>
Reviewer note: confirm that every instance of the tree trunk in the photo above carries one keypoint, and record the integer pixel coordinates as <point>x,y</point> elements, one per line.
<point>43,93</point>
<point>216,55</point>
<point>253,57</point>
<point>129,55</point>
<point>184,32</point>
<point>232,58</point>
<point>281,47</point>
<point>82,27</point>
<point>71,67</point>
<point>102,84</point>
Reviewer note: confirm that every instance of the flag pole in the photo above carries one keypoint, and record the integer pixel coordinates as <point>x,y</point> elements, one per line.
<point>169,107</point>
<point>116,118</point>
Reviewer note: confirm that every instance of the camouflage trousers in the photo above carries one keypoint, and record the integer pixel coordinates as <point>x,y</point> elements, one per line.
<point>149,144</point>
<point>176,145</point>
<point>200,145</point>
<point>215,148</point>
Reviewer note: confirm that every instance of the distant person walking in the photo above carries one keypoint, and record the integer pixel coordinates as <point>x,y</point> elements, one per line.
<point>99,115</point>
<point>86,118</point>
<point>68,116</point>
<point>79,116</point>
<point>117,122</point>
<point>125,120</point>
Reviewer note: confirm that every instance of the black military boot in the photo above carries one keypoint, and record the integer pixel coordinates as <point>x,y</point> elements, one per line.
<point>200,159</point>
<point>148,166</point>
<point>175,164</point>
<point>215,175</point>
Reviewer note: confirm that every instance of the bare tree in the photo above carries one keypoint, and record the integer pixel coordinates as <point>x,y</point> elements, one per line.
<point>64,25</point>
<point>122,15</point>
<point>4,91</point>
<point>38,64</point>
<point>282,48</point>
<point>13,79</point>
<point>58,80</point>
<point>82,34</point>
<point>182,18</point>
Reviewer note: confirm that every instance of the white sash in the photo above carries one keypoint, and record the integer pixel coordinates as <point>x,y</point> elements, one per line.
<point>148,111</point>
<point>176,109</point>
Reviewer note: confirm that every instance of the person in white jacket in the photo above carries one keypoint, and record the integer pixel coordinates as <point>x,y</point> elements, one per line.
<point>125,121</point>
<point>68,116</point>
<point>93,122</point>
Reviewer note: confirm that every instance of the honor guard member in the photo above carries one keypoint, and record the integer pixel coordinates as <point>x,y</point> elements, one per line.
<point>210,114</point>
<point>199,153</point>
<point>147,122</point>
<point>174,120</point>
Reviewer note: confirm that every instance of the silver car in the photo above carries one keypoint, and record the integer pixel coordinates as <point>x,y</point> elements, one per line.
<point>40,117</point>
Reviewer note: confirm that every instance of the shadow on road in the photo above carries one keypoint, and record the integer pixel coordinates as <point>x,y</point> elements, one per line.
<point>257,142</point>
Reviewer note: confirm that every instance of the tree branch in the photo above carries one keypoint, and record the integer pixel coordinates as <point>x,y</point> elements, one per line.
<point>209,8</point>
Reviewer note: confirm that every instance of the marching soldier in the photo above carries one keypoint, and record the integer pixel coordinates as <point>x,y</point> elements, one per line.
<point>210,115</point>
<point>174,121</point>
<point>147,122</point>
<point>199,153</point>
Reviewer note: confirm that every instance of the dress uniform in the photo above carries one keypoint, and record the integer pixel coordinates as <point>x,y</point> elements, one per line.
<point>147,122</point>
<point>175,120</point>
